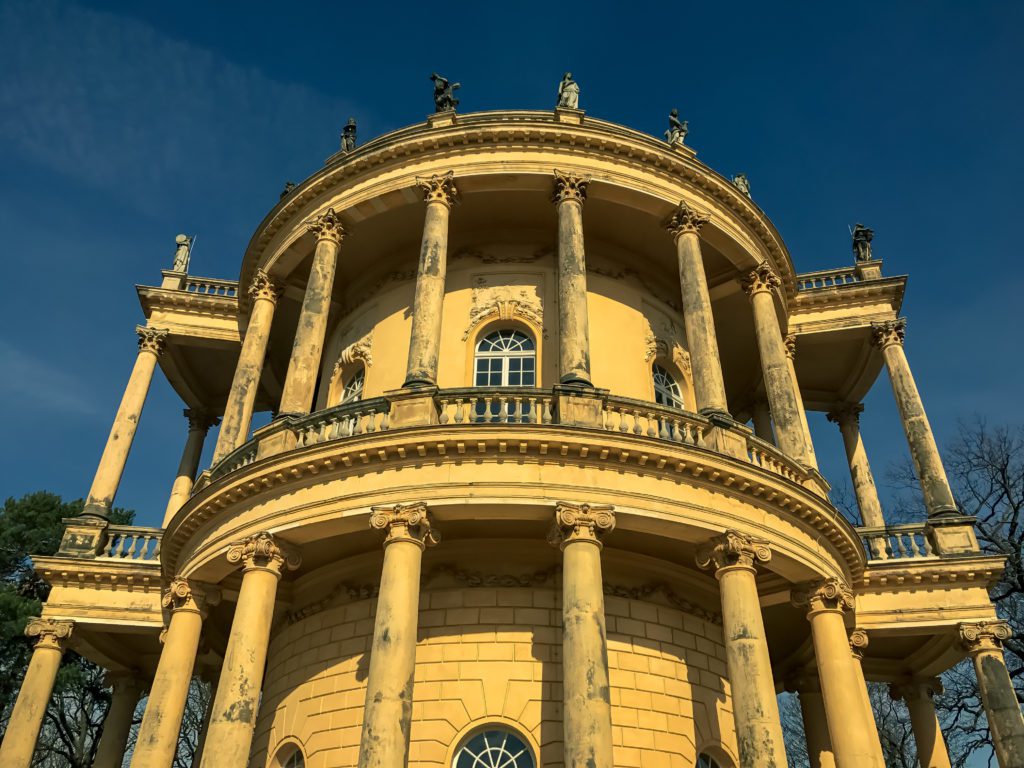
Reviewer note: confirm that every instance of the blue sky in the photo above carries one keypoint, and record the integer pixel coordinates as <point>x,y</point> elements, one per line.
<point>121,126</point>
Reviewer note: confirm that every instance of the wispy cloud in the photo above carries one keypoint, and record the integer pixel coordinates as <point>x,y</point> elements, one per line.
<point>29,383</point>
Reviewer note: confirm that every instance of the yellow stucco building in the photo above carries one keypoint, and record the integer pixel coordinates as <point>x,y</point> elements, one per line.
<point>586,359</point>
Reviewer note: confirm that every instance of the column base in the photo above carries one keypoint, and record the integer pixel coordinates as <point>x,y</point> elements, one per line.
<point>98,511</point>
<point>952,534</point>
<point>718,417</point>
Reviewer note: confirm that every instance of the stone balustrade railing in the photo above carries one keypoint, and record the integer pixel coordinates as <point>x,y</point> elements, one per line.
<point>827,278</point>
<point>637,417</point>
<point>356,418</point>
<point>508,405</point>
<point>897,542</point>
<point>126,542</point>
<point>208,286</point>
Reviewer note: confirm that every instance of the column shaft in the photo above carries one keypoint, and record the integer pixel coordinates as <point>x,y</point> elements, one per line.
<point>234,710</point>
<point>698,319</point>
<point>122,433</point>
<point>812,459</point>
<point>984,643</point>
<point>117,725</point>
<point>819,744</point>
<point>779,384</point>
<point>931,747</point>
<point>26,719</point>
<point>157,741</point>
<point>863,481</point>
<point>587,712</point>
<point>387,714</point>
<point>573,322</point>
<point>234,427</point>
<point>428,301</point>
<point>198,424</point>
<point>307,349</point>
<point>938,497</point>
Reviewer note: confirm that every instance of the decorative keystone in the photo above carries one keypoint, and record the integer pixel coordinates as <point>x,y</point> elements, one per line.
<point>186,595</point>
<point>888,333</point>
<point>327,226</point>
<point>984,636</point>
<point>264,287</point>
<point>686,220</point>
<point>263,551</point>
<point>846,413</point>
<point>831,594</point>
<point>405,522</point>
<point>762,279</point>
<point>50,633</point>
<point>151,339</point>
<point>733,549</point>
<point>569,187</point>
<point>859,642</point>
<point>439,189</point>
<point>580,522</point>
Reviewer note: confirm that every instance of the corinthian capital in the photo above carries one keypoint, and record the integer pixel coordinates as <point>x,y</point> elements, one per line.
<point>984,636</point>
<point>580,522</point>
<point>199,419</point>
<point>831,594</point>
<point>888,333</point>
<point>50,633</point>
<point>185,595</point>
<point>439,189</point>
<point>686,219</point>
<point>762,279</point>
<point>733,548</point>
<point>916,689</point>
<point>405,522</point>
<point>151,339</point>
<point>569,186</point>
<point>264,287</point>
<point>327,226</point>
<point>846,413</point>
<point>263,551</point>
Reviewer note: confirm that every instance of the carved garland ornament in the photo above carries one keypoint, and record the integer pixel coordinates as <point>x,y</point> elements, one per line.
<point>263,551</point>
<point>984,636</point>
<point>665,346</point>
<point>790,342</point>
<point>405,522</point>
<point>264,287</point>
<point>762,279</point>
<point>581,522</point>
<point>686,220</point>
<point>151,339</point>
<point>327,226</point>
<point>569,187</point>
<point>831,594</point>
<point>888,333</point>
<point>503,302</point>
<point>439,189</point>
<point>732,549</point>
<point>50,633</point>
<point>356,351</point>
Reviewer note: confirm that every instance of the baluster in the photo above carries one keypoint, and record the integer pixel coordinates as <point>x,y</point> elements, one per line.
<point>488,405</point>
<point>443,416</point>
<point>652,425</point>
<point>665,428</point>
<point>517,410</point>
<point>636,423</point>
<point>357,423</point>
<point>503,414</point>
<point>156,549</point>
<point>133,550</point>
<point>547,410</point>
<point>121,539</point>
<point>371,421</point>
<point>676,435</point>
<point>532,415</point>
<point>384,420</point>
<point>622,420</point>
<point>900,548</point>
<point>926,545</point>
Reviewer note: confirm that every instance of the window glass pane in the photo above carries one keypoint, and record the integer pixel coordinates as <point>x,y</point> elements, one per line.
<point>494,748</point>
<point>505,358</point>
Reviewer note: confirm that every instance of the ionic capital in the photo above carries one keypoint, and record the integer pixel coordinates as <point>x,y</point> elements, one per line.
<point>686,220</point>
<point>263,551</point>
<point>848,413</point>
<point>888,333</point>
<point>327,226</point>
<point>984,636</point>
<point>916,690</point>
<point>151,339</point>
<point>859,643</point>
<point>733,549</point>
<point>200,420</point>
<point>439,189</point>
<point>264,287</point>
<point>185,595</point>
<point>569,187</point>
<point>831,594</point>
<point>405,522</point>
<point>580,522</point>
<point>762,279</point>
<point>50,633</point>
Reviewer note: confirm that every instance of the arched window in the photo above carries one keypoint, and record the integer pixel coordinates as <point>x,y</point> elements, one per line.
<point>296,760</point>
<point>290,756</point>
<point>666,390</point>
<point>354,387</point>
<point>506,359</point>
<point>494,748</point>
<point>705,760</point>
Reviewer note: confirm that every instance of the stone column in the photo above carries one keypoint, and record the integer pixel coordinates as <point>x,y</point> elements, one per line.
<point>984,642</point>
<point>573,324</point>
<point>234,428</point>
<point>698,320</point>
<point>761,415</point>
<point>118,723</point>
<point>852,730</point>
<point>812,709</point>
<point>587,709</point>
<point>308,347</point>
<point>157,742</point>
<point>938,497</point>
<point>199,423</point>
<point>211,678</point>
<point>30,707</point>
<point>387,714</point>
<point>122,433</point>
<point>755,708</point>
<point>931,747</point>
<point>790,342</point>
<point>428,302</point>
<point>848,419</point>
<point>776,368</point>
<point>859,641</point>
<point>233,715</point>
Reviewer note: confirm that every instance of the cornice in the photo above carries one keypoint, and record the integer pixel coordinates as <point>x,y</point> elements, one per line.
<point>913,573</point>
<point>891,288</point>
<point>99,573</point>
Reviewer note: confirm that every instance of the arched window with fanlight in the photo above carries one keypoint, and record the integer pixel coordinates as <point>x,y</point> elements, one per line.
<point>704,760</point>
<point>666,388</point>
<point>494,747</point>
<point>290,756</point>
<point>504,358</point>
<point>353,389</point>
